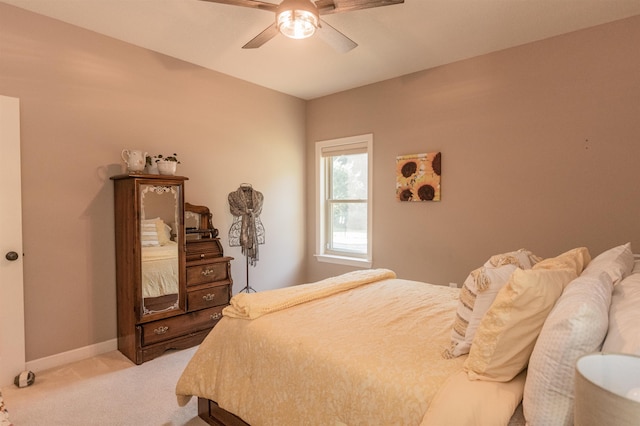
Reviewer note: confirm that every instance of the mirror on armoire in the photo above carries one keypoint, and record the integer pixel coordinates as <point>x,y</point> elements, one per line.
<point>159,241</point>
<point>198,222</point>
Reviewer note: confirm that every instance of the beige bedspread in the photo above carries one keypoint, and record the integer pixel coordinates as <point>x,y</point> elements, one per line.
<point>368,355</point>
<point>160,270</point>
<point>254,305</point>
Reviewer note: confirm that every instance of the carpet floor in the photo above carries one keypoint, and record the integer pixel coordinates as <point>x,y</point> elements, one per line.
<point>107,389</point>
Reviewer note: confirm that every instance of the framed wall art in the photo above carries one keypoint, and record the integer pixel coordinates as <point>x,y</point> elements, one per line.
<point>418,177</point>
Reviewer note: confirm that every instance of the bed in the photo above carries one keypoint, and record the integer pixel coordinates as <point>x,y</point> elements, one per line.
<point>368,347</point>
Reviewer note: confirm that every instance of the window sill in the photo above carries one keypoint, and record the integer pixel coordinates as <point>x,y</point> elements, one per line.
<point>343,260</point>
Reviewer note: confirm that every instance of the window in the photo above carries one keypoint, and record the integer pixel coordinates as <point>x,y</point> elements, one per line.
<point>343,215</point>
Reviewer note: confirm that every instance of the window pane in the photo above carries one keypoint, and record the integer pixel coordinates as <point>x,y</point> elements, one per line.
<point>349,177</point>
<point>348,227</point>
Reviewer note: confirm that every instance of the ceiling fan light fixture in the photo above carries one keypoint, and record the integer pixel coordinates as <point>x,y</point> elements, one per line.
<point>297,18</point>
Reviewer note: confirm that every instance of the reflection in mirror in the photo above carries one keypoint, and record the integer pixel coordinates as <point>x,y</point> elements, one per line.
<point>159,235</point>
<point>198,222</point>
<point>191,220</point>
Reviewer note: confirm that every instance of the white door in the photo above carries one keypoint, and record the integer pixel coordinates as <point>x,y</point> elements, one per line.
<point>12,346</point>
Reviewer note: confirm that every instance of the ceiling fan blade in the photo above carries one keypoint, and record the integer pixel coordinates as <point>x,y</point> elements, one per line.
<point>335,38</point>
<point>266,35</point>
<point>326,7</point>
<point>255,4</point>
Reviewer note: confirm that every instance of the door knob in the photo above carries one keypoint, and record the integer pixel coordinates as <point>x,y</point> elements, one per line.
<point>12,255</point>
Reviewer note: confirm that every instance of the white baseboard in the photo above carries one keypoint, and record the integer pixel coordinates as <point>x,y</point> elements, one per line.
<point>63,358</point>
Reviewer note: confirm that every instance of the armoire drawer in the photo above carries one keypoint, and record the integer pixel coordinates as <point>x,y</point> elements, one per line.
<point>165,329</point>
<point>203,249</point>
<point>208,272</point>
<point>208,297</point>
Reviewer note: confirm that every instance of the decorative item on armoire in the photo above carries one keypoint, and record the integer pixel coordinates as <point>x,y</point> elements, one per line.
<point>151,165</point>
<point>418,177</point>
<point>167,165</point>
<point>134,159</point>
<point>247,230</point>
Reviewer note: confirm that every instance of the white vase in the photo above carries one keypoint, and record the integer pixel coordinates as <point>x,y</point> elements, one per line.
<point>167,167</point>
<point>152,169</point>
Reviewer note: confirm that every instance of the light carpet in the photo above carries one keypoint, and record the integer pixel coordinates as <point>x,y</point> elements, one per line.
<point>107,389</point>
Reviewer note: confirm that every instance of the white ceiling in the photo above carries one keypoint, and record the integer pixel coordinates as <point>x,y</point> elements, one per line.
<point>393,40</point>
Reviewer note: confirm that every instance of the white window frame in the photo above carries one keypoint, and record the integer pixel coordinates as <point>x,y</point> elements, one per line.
<point>321,211</point>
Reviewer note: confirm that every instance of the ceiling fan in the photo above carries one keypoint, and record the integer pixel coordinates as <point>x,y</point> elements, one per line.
<point>301,19</point>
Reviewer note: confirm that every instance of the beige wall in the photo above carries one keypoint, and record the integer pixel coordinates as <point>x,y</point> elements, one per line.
<point>540,149</point>
<point>84,97</point>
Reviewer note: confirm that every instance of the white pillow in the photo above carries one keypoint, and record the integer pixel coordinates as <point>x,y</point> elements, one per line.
<point>478,293</point>
<point>617,262</point>
<point>624,317</point>
<point>576,326</point>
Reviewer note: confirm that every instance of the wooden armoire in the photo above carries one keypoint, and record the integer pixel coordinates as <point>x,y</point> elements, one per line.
<point>171,284</point>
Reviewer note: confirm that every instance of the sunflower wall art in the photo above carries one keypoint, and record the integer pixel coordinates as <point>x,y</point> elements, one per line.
<point>418,177</point>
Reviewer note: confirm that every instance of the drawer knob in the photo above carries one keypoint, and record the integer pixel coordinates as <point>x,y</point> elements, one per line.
<point>202,256</point>
<point>207,272</point>
<point>216,316</point>
<point>161,330</point>
<point>209,297</point>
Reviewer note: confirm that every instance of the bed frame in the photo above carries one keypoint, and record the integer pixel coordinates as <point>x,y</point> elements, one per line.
<point>210,412</point>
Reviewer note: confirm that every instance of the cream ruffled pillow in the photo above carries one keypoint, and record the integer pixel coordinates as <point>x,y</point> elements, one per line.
<point>507,334</point>
<point>477,294</point>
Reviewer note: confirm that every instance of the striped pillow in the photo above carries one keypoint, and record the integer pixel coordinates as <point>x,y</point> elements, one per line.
<point>477,294</point>
<point>149,233</point>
